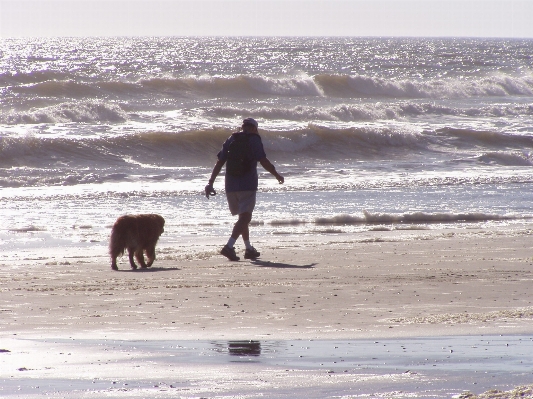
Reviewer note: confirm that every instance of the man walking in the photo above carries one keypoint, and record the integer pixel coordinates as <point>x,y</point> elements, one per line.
<point>241,152</point>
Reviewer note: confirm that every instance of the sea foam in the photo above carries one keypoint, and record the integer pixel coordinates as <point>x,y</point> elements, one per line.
<point>90,111</point>
<point>290,85</point>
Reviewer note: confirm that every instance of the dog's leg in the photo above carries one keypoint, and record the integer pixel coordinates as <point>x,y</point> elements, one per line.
<point>114,263</point>
<point>140,258</point>
<point>130,255</point>
<point>150,254</point>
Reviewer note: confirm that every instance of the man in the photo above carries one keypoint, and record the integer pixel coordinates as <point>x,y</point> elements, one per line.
<point>241,182</point>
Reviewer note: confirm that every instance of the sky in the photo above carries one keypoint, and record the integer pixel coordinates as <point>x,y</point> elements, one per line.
<point>420,18</point>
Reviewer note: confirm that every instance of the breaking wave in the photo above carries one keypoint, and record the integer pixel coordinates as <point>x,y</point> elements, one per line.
<point>197,147</point>
<point>388,218</point>
<point>299,85</point>
<point>94,111</point>
<point>368,111</point>
<point>364,86</point>
<point>88,112</point>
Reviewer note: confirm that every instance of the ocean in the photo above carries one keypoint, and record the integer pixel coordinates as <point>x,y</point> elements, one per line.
<point>371,134</point>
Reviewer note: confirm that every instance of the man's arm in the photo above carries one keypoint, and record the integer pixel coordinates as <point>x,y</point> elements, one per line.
<point>209,190</point>
<point>216,170</point>
<point>265,163</point>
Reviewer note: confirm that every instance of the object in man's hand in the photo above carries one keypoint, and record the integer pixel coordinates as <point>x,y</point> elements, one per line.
<point>209,190</point>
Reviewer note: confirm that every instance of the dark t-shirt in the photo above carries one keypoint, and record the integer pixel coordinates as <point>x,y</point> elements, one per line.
<point>249,181</point>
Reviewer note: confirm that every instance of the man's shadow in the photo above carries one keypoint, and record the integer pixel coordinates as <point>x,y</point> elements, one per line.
<point>267,263</point>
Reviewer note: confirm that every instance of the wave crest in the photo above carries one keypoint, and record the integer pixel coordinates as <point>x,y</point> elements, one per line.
<point>236,85</point>
<point>199,147</point>
<point>415,217</point>
<point>367,111</point>
<point>67,112</point>
<point>365,86</point>
<point>295,85</point>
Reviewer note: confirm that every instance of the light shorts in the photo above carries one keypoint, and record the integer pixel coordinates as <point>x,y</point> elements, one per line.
<point>241,201</point>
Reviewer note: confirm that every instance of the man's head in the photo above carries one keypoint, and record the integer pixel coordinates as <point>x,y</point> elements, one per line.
<point>250,125</point>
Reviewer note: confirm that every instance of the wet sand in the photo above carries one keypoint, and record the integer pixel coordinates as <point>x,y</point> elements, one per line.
<point>401,285</point>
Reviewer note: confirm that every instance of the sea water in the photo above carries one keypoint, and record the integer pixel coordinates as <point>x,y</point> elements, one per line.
<point>438,368</point>
<point>369,133</point>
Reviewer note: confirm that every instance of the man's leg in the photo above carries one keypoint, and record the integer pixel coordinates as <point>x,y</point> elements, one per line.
<point>246,233</point>
<point>241,203</point>
<point>241,226</point>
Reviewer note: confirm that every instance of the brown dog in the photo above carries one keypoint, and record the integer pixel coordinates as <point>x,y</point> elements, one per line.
<point>136,233</point>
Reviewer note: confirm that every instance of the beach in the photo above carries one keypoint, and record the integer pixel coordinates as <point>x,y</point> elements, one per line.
<point>395,259</point>
<point>401,286</point>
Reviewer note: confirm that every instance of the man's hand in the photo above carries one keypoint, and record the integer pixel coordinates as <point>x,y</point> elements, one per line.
<point>209,190</point>
<point>265,163</point>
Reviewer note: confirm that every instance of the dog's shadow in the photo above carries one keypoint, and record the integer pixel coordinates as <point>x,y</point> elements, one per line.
<point>148,270</point>
<point>267,263</point>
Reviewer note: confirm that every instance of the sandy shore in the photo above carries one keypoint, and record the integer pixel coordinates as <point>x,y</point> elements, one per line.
<point>380,285</point>
<point>373,286</point>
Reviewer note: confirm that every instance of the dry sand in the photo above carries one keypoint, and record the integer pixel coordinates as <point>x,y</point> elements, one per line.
<point>373,285</point>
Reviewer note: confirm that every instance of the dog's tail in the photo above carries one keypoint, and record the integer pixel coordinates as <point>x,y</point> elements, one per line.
<point>116,243</point>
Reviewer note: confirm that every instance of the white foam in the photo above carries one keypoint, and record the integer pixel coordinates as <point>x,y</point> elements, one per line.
<point>89,111</point>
